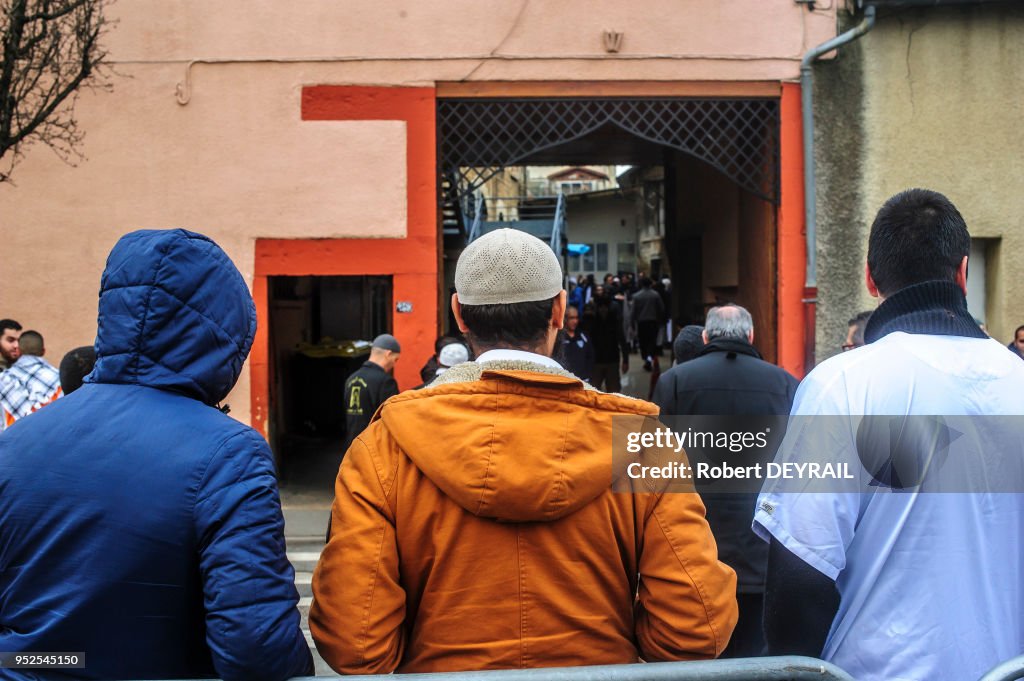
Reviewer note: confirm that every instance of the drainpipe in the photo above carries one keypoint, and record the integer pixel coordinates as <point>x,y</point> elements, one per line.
<point>810,189</point>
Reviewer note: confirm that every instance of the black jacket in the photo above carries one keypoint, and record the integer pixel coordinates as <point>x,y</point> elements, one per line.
<point>648,306</point>
<point>575,353</point>
<point>429,370</point>
<point>365,390</point>
<point>607,332</point>
<point>730,378</point>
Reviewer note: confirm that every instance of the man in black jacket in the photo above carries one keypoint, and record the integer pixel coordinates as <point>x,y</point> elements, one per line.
<point>729,378</point>
<point>370,386</point>
<point>649,313</point>
<point>573,348</point>
<point>611,353</point>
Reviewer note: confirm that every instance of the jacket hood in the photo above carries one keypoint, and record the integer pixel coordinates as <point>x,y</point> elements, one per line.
<point>174,314</point>
<point>512,441</point>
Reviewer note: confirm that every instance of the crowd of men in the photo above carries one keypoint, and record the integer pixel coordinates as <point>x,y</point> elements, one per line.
<point>477,523</point>
<point>29,382</point>
<point>629,314</point>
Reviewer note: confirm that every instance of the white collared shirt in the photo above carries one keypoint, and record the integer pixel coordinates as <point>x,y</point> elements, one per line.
<point>930,583</point>
<point>505,354</point>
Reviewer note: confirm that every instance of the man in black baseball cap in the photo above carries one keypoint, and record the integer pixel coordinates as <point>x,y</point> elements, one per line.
<point>371,385</point>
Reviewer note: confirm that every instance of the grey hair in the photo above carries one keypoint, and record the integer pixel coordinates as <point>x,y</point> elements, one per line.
<point>730,322</point>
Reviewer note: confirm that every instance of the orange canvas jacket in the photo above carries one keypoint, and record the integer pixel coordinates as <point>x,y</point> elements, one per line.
<point>474,527</point>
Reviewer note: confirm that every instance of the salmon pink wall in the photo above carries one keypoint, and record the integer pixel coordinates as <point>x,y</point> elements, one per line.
<point>252,120</point>
<point>412,261</point>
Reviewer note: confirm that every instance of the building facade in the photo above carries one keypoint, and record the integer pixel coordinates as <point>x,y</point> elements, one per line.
<point>310,141</point>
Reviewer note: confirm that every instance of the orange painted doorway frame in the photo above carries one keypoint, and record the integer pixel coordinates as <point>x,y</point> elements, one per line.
<point>412,261</point>
<point>792,311</point>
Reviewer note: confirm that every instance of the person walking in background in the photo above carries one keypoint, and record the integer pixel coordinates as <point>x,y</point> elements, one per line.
<point>688,344</point>
<point>649,312</point>
<point>141,524</point>
<point>895,582</point>
<point>474,524</point>
<point>10,330</point>
<point>574,349</point>
<point>611,352</point>
<point>30,383</point>
<point>370,385</point>
<point>588,295</point>
<point>665,291</point>
<point>629,283</point>
<point>578,293</point>
<point>625,298</point>
<point>729,378</point>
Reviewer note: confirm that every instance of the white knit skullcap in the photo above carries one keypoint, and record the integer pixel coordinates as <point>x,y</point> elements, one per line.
<point>452,354</point>
<point>507,266</point>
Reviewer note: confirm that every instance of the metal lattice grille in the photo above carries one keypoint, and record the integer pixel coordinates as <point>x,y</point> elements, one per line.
<point>739,137</point>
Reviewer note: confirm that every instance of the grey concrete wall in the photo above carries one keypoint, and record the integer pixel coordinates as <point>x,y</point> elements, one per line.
<point>842,231</point>
<point>930,98</point>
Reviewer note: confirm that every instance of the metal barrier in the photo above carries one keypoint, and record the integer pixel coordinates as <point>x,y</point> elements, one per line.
<point>1011,670</point>
<point>787,668</point>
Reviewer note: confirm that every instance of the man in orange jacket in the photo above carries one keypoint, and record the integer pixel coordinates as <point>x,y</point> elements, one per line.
<point>474,522</point>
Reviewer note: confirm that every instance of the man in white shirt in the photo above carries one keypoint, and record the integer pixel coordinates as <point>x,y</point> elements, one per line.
<point>30,383</point>
<point>883,576</point>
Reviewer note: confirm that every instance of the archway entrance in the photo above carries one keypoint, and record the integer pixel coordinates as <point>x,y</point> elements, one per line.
<point>703,177</point>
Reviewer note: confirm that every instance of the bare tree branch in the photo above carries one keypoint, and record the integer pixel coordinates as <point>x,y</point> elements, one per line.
<point>49,51</point>
<point>61,11</point>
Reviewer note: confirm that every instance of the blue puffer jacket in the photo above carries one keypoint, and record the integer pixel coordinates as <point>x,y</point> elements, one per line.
<point>139,524</point>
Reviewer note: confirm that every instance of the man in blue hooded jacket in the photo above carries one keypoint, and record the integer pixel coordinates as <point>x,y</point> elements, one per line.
<point>138,523</point>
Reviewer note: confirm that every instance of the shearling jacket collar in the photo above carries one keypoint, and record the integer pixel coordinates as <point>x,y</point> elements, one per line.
<point>468,372</point>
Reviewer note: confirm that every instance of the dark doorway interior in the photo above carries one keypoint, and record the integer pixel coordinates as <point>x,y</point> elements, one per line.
<point>320,329</point>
